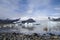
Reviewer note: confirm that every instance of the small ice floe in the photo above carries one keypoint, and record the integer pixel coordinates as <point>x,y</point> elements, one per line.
<point>29,26</point>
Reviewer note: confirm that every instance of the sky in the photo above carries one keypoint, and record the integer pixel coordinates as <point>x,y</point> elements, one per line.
<point>37,9</point>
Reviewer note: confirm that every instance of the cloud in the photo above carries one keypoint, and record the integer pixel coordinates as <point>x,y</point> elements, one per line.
<point>57,8</point>
<point>37,5</point>
<point>8,9</point>
<point>56,14</point>
<point>29,8</point>
<point>38,8</point>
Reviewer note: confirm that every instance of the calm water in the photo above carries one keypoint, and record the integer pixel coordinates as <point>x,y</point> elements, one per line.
<point>53,27</point>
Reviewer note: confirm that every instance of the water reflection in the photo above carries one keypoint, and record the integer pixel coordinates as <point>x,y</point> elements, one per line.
<point>39,28</point>
<point>52,26</point>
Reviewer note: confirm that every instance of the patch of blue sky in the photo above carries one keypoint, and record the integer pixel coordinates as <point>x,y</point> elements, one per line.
<point>22,5</point>
<point>55,2</point>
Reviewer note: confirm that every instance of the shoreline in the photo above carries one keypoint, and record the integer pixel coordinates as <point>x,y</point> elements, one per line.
<point>21,36</point>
